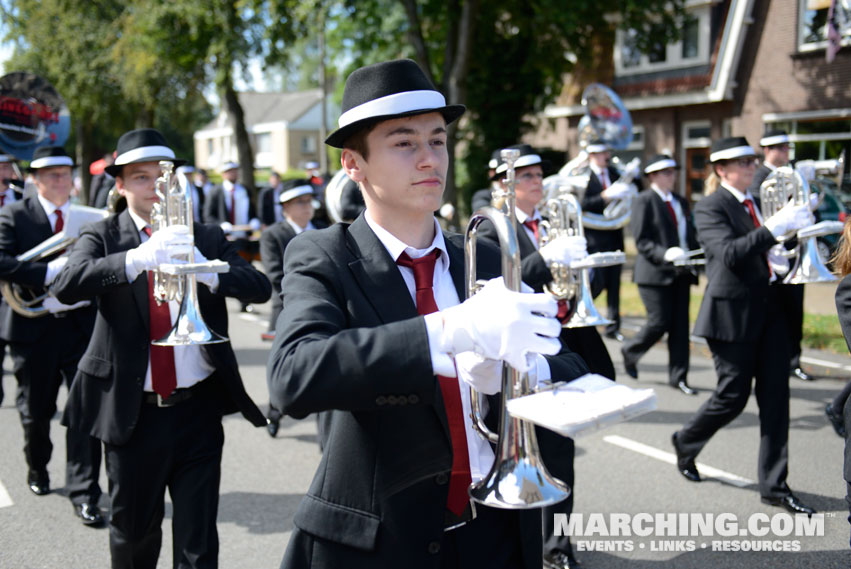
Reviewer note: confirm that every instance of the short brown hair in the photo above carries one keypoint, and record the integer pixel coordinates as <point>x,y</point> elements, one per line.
<point>357,141</point>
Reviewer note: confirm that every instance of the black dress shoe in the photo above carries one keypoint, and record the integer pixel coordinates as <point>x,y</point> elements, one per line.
<point>629,366</point>
<point>615,336</point>
<point>835,420</point>
<point>90,514</point>
<point>791,503</point>
<point>684,387</point>
<point>685,464</point>
<point>801,374</point>
<point>559,560</point>
<point>39,483</point>
<point>272,426</point>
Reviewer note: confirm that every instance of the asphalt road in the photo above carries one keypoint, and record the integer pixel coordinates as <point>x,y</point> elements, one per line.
<point>624,469</point>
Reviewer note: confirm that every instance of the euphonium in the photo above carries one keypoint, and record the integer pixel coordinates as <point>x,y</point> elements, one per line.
<point>518,478</point>
<point>176,281</point>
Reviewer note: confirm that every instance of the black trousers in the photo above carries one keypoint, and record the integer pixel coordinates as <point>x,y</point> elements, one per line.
<point>500,529</point>
<point>177,448</point>
<point>667,312</point>
<point>609,279</point>
<point>587,343</point>
<point>2,358</point>
<point>40,369</point>
<point>738,364</point>
<point>559,462</point>
<point>791,299</point>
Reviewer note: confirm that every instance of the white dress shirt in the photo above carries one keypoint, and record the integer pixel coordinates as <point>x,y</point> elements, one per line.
<point>521,219</point>
<point>678,210</point>
<point>602,174</point>
<point>50,210</point>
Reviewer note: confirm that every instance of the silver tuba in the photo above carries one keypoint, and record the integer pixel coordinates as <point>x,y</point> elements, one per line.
<point>23,300</point>
<point>176,281</point>
<point>785,185</point>
<point>518,478</point>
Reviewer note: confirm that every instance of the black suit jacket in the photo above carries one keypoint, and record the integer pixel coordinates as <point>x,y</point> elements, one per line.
<point>273,244</point>
<point>216,208</point>
<point>736,299</point>
<point>23,225</point>
<point>592,201</point>
<point>758,178</point>
<point>350,340</point>
<point>266,205</point>
<point>106,395</point>
<point>654,233</point>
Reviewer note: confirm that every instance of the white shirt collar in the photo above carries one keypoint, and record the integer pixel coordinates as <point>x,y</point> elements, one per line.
<point>49,207</point>
<point>298,229</point>
<point>737,194</point>
<point>140,223</point>
<point>770,166</point>
<point>666,197</point>
<point>396,247</point>
<point>522,217</point>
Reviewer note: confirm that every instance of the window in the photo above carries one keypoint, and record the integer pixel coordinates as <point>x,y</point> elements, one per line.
<point>308,145</point>
<point>812,32</point>
<point>691,38</point>
<point>630,54</point>
<point>263,142</point>
<point>815,135</point>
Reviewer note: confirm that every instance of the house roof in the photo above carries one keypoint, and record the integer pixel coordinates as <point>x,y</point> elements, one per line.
<point>262,108</point>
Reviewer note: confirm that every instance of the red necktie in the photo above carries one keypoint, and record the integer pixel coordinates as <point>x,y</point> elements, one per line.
<point>3,200</point>
<point>533,225</point>
<point>460,479</point>
<point>60,223</point>
<point>604,179</point>
<point>673,213</point>
<point>748,203</point>
<point>231,212</point>
<point>163,374</point>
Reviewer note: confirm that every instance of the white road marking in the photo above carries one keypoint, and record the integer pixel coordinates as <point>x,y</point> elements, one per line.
<point>253,317</point>
<point>705,470</point>
<point>5,499</point>
<point>824,363</point>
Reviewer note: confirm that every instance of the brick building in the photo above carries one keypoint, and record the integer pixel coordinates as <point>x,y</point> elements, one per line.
<point>741,67</point>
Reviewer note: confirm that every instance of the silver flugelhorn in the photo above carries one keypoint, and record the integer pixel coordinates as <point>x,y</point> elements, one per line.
<point>518,478</point>
<point>24,300</point>
<point>176,281</point>
<point>783,186</point>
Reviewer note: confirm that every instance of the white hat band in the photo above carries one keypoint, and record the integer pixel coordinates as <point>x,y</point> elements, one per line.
<point>660,165</point>
<point>394,104</point>
<point>295,192</point>
<point>527,160</point>
<point>592,148</point>
<point>730,153</point>
<point>49,161</point>
<point>139,154</point>
<point>772,140</point>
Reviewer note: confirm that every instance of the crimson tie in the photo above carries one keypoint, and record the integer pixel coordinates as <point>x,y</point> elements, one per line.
<point>231,210</point>
<point>672,212</point>
<point>3,200</point>
<point>604,179</point>
<point>533,225</point>
<point>163,374</point>
<point>460,479</point>
<point>752,210</point>
<point>60,223</point>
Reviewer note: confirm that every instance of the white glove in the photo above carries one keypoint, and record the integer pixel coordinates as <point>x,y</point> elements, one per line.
<point>565,250</point>
<point>502,325</point>
<point>53,306</point>
<point>616,191</point>
<point>482,374</point>
<point>254,224</point>
<point>815,199</point>
<point>226,226</point>
<point>53,268</point>
<point>209,279</point>
<point>789,218</point>
<point>779,264</point>
<point>673,254</point>
<point>164,244</point>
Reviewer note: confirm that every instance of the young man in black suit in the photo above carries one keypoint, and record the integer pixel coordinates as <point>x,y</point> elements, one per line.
<point>157,409</point>
<point>742,321</point>
<point>663,231</point>
<point>372,328</point>
<point>45,350</point>
<point>269,201</point>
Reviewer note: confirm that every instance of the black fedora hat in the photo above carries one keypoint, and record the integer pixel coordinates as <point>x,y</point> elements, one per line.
<point>50,156</point>
<point>730,148</point>
<point>292,189</point>
<point>660,162</point>
<point>774,137</point>
<point>141,145</point>
<point>388,90</point>
<point>528,157</point>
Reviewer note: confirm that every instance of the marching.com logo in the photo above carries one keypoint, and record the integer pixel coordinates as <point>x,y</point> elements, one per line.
<point>683,531</point>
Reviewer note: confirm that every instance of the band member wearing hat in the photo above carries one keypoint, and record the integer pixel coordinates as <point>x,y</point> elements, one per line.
<point>9,193</point>
<point>775,146</point>
<point>585,341</point>
<point>742,321</point>
<point>269,202</point>
<point>158,410</point>
<point>45,350</point>
<point>602,189</point>
<point>371,321</point>
<point>663,231</point>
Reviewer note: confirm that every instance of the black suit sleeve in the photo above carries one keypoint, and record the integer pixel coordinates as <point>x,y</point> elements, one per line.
<point>211,207</point>
<point>318,363</point>
<point>645,232</point>
<point>534,271</point>
<point>718,238</point>
<point>272,256</point>
<point>29,273</point>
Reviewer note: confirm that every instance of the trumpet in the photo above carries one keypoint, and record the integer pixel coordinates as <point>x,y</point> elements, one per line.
<point>518,478</point>
<point>176,281</point>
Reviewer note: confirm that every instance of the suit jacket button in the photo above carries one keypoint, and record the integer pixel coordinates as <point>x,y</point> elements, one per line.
<point>413,399</point>
<point>434,547</point>
<point>380,400</point>
<point>441,478</point>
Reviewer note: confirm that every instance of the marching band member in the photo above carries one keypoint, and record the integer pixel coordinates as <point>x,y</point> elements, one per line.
<point>586,341</point>
<point>269,201</point>
<point>775,145</point>
<point>158,410</point>
<point>371,321</point>
<point>742,321</point>
<point>45,350</point>
<point>8,194</point>
<point>663,231</point>
<point>601,190</point>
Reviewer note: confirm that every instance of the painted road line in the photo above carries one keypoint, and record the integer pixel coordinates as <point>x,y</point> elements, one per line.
<point>824,363</point>
<point>253,317</point>
<point>705,470</point>
<point>5,499</point>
